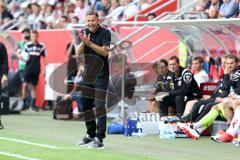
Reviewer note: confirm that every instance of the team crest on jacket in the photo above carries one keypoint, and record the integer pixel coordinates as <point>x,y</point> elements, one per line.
<point>187,78</point>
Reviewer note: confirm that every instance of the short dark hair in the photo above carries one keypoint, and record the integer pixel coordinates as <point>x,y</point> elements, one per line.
<point>231,56</point>
<point>75,17</point>
<point>224,56</point>
<point>25,30</point>
<point>199,59</point>
<point>164,61</point>
<point>35,4</point>
<point>174,58</point>
<point>65,17</point>
<point>34,32</point>
<point>91,12</point>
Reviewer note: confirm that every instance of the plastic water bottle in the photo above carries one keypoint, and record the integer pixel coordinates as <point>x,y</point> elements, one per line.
<point>139,128</point>
<point>138,131</point>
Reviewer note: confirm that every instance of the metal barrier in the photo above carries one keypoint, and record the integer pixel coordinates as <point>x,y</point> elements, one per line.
<point>203,25</point>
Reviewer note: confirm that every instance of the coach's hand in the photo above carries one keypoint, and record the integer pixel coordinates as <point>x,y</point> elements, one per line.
<point>86,39</point>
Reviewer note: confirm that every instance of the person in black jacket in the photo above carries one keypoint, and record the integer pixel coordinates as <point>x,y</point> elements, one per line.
<point>166,78</point>
<point>3,70</point>
<point>230,78</point>
<point>95,44</point>
<point>164,84</point>
<point>185,88</point>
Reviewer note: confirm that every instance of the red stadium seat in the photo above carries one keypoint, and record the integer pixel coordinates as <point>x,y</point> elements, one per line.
<point>208,88</point>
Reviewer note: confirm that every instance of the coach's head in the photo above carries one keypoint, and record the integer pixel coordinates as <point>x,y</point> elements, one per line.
<point>92,21</point>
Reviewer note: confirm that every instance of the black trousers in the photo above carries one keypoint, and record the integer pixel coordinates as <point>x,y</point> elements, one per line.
<point>0,97</point>
<point>205,111</point>
<point>178,102</point>
<point>94,95</point>
<point>199,110</point>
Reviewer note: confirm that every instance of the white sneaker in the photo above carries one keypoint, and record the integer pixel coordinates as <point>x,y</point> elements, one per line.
<point>85,141</point>
<point>192,133</point>
<point>96,144</point>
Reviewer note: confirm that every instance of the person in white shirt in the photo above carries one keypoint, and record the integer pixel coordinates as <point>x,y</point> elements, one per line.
<point>200,75</point>
<point>131,9</point>
<point>81,10</point>
<point>36,15</point>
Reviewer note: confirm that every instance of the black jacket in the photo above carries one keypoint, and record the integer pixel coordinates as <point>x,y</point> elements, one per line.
<point>186,85</point>
<point>165,83</point>
<point>228,81</point>
<point>3,60</point>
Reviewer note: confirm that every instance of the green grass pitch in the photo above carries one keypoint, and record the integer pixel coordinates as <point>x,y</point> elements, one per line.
<point>40,128</point>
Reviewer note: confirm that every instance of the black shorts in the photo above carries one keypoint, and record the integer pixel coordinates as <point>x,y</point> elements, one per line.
<point>21,74</point>
<point>31,77</point>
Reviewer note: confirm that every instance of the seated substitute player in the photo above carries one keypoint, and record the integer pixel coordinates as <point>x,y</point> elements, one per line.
<point>203,106</point>
<point>234,127</point>
<point>200,76</point>
<point>197,128</point>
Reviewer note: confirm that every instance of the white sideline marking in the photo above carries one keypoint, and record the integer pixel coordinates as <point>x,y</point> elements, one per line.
<point>17,156</point>
<point>29,143</point>
<point>73,148</point>
<point>40,145</point>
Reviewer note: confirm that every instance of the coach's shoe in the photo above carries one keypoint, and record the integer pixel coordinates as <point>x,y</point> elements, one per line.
<point>85,141</point>
<point>96,144</point>
<point>192,133</point>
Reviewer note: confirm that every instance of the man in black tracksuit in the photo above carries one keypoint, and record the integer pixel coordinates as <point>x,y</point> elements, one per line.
<point>3,70</point>
<point>165,83</point>
<point>185,88</point>
<point>202,107</point>
<point>95,43</point>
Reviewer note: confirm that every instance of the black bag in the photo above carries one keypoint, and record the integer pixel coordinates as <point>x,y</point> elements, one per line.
<point>63,109</point>
<point>4,105</point>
